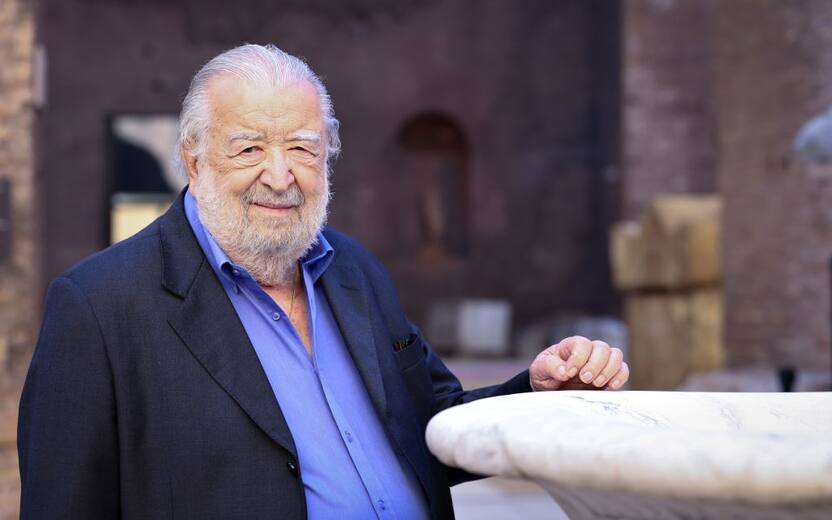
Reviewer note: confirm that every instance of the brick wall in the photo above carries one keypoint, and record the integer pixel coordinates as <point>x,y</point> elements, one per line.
<point>667,104</point>
<point>774,73</point>
<point>19,284</point>
<point>526,86</point>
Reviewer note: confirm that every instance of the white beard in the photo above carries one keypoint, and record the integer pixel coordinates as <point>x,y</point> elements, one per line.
<point>268,248</point>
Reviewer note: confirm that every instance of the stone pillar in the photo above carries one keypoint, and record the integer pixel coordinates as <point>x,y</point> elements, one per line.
<point>667,112</point>
<point>20,286</point>
<point>773,74</point>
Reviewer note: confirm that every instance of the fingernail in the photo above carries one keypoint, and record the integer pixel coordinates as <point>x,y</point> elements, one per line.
<point>562,370</point>
<point>615,383</point>
<point>573,371</point>
<point>598,381</point>
<point>586,377</point>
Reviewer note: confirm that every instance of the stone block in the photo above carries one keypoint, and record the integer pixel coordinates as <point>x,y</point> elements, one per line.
<point>629,268</point>
<point>673,335</point>
<point>681,241</point>
<point>657,325</point>
<point>675,245</point>
<point>706,352</point>
<point>474,327</point>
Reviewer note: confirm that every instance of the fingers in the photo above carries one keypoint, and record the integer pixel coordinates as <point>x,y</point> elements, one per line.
<point>555,365</point>
<point>579,349</point>
<point>548,370</point>
<point>596,362</point>
<point>620,377</point>
<point>612,367</point>
<point>593,363</point>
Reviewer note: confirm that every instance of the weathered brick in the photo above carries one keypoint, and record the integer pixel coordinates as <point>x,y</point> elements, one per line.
<point>19,282</point>
<point>667,102</point>
<point>773,71</point>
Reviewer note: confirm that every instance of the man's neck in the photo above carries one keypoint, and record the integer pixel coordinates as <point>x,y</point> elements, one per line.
<point>276,270</point>
<point>292,299</point>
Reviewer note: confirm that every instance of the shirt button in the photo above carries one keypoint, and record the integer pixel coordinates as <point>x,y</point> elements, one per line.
<point>348,436</point>
<point>381,505</point>
<point>276,316</point>
<point>236,289</point>
<point>292,467</point>
<point>235,272</point>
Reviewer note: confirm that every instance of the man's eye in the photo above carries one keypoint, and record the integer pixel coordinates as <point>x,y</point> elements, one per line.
<point>302,150</point>
<point>249,150</point>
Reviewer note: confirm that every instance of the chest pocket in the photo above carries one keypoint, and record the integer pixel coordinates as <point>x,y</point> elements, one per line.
<point>409,352</point>
<point>414,371</point>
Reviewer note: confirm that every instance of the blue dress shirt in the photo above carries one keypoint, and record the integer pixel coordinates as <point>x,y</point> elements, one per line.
<point>348,467</point>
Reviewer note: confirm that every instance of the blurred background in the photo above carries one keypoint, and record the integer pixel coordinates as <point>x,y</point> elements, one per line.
<point>656,173</point>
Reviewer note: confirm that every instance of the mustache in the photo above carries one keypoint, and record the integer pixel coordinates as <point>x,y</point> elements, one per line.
<point>259,194</point>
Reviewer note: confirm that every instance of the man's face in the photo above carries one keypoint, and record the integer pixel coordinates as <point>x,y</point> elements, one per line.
<point>261,183</point>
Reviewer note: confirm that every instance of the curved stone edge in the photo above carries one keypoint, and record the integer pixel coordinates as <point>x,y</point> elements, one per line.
<point>797,472</point>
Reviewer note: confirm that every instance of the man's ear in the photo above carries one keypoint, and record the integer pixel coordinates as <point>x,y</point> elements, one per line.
<point>189,163</point>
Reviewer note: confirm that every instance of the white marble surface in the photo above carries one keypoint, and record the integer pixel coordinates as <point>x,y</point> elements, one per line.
<point>763,449</point>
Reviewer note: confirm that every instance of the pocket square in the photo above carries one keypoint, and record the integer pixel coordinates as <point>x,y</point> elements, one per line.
<point>402,344</point>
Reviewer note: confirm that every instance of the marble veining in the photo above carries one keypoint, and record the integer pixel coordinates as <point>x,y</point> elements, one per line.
<point>758,449</point>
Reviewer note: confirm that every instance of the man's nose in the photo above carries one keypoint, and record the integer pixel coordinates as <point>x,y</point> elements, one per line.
<point>276,173</point>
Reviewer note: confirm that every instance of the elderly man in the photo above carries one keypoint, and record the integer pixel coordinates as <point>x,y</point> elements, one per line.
<point>236,360</point>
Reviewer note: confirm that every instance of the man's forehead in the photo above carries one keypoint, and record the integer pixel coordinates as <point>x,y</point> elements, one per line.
<point>227,88</point>
<point>242,111</point>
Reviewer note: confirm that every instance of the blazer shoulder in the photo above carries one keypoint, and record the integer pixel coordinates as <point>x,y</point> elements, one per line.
<point>341,241</point>
<point>129,259</point>
<point>349,252</point>
<point>348,249</point>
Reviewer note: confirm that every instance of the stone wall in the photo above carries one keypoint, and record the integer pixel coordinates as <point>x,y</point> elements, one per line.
<point>19,280</point>
<point>774,73</point>
<point>528,95</point>
<point>667,100</point>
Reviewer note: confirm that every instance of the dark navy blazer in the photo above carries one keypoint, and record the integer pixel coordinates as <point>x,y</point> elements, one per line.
<point>145,398</point>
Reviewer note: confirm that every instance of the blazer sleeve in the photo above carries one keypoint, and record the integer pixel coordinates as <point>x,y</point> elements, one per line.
<point>67,434</point>
<point>448,392</point>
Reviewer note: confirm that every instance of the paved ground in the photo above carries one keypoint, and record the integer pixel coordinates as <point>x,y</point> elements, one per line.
<point>504,499</point>
<point>498,498</point>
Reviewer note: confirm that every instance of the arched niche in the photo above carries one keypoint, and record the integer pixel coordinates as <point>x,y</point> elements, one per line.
<point>435,173</point>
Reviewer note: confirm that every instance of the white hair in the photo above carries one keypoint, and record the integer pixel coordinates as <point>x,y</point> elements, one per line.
<point>260,65</point>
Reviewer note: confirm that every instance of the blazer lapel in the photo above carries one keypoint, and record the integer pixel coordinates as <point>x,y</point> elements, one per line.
<point>209,327</point>
<point>346,292</point>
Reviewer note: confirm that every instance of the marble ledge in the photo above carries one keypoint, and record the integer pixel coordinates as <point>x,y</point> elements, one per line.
<point>764,449</point>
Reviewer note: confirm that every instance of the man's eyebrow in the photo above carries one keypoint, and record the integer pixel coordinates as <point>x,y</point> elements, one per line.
<point>245,136</point>
<point>305,135</point>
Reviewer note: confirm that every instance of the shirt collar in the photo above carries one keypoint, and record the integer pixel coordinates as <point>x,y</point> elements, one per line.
<point>318,258</point>
<point>314,262</point>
